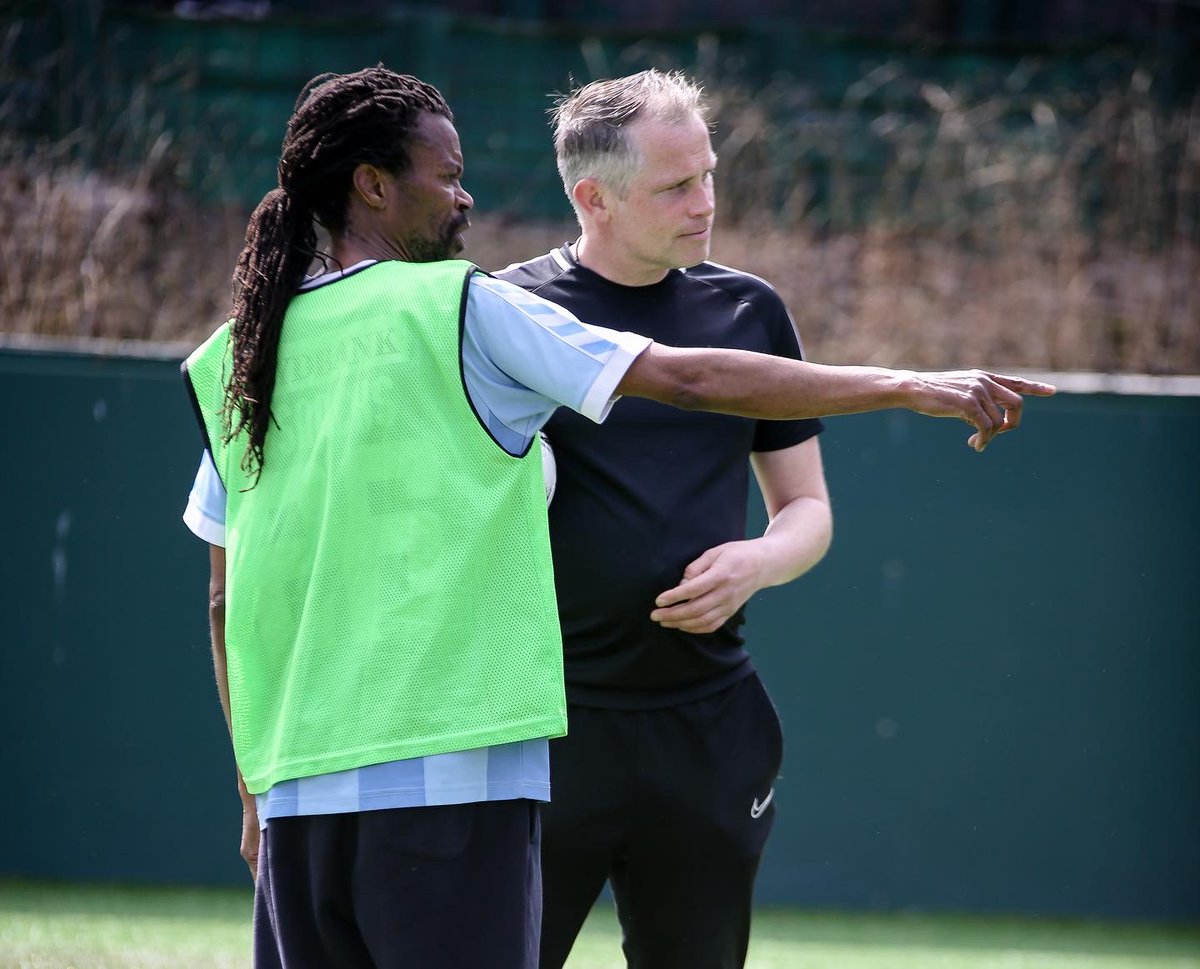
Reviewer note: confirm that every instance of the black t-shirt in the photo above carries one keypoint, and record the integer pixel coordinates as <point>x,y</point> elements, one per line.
<point>646,492</point>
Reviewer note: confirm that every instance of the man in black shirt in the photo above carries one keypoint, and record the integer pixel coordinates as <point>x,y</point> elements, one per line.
<point>664,784</point>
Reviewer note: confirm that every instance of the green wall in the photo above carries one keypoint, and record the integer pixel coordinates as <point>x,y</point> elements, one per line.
<point>988,687</point>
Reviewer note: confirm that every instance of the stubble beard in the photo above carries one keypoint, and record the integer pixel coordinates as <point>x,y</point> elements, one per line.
<point>446,246</point>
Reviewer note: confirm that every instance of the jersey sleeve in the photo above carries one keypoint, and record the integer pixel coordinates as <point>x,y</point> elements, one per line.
<point>784,342</point>
<point>205,511</point>
<point>524,356</point>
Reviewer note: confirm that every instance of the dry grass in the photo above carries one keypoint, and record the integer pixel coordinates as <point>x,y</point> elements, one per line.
<point>1014,224</point>
<point>89,255</point>
<point>893,298</point>
<point>1009,231</point>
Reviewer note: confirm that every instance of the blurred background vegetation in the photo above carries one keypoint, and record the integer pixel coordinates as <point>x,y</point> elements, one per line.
<point>927,182</point>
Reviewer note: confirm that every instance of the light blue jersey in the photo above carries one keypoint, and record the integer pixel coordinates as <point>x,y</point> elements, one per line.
<point>522,358</point>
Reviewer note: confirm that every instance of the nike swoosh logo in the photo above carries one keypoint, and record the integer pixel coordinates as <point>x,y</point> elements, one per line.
<point>756,809</point>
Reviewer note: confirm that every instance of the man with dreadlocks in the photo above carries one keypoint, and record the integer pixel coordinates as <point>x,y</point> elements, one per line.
<point>385,639</point>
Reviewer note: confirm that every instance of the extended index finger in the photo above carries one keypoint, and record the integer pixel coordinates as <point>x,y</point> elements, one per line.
<point>1023,385</point>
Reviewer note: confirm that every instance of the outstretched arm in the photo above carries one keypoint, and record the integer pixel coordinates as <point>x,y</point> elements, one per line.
<point>216,616</point>
<point>722,579</point>
<point>765,386</point>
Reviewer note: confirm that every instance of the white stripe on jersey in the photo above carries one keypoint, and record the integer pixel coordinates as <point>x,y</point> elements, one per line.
<point>596,341</point>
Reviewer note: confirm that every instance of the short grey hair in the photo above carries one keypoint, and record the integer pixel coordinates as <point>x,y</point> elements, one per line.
<point>590,124</point>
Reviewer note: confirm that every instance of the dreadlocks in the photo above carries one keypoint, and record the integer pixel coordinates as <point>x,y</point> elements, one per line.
<point>340,121</point>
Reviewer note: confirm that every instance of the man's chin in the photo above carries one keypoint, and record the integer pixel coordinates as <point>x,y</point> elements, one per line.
<point>448,250</point>
<point>695,253</point>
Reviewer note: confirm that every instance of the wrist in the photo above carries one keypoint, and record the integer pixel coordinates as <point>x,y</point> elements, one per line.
<point>904,389</point>
<point>776,561</point>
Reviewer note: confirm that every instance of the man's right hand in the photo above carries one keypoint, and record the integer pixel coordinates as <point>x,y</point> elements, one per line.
<point>990,402</point>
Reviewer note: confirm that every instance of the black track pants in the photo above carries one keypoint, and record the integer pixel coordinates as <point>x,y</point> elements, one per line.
<point>450,887</point>
<point>673,806</point>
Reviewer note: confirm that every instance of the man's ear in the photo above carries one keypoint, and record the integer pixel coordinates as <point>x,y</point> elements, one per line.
<point>591,198</point>
<point>370,185</point>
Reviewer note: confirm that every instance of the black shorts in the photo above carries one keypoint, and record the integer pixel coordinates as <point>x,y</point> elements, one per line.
<point>438,887</point>
<point>673,807</point>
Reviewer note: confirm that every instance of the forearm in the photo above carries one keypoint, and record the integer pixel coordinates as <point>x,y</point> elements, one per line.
<point>216,619</point>
<point>216,623</point>
<point>796,539</point>
<point>221,674</point>
<point>761,385</point>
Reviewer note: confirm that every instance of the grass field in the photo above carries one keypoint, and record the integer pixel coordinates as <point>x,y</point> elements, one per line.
<point>60,927</point>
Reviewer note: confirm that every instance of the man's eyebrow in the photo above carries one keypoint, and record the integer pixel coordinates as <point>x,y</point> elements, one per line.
<point>665,184</point>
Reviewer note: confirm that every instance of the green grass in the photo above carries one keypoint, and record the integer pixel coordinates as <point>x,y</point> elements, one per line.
<point>73,927</point>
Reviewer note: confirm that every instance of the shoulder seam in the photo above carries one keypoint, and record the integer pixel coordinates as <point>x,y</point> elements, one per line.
<point>542,283</point>
<point>739,272</point>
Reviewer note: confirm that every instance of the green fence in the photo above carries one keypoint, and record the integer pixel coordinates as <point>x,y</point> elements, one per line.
<point>988,688</point>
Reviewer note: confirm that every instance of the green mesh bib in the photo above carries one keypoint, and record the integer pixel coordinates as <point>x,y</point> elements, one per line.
<point>389,589</point>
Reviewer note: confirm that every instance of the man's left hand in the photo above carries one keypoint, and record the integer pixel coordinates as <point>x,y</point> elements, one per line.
<point>714,587</point>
